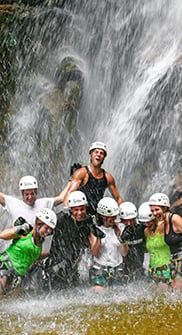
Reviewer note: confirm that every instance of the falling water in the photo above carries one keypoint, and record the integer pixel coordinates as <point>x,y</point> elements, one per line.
<point>127,52</point>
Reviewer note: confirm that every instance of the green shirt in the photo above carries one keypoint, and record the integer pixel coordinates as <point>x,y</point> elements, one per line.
<point>22,253</point>
<point>158,249</point>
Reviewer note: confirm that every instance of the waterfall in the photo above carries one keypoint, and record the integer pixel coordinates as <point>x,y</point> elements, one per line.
<point>127,53</point>
<point>127,56</point>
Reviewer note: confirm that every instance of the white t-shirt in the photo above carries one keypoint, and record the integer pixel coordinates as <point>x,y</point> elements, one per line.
<point>110,250</point>
<point>16,208</point>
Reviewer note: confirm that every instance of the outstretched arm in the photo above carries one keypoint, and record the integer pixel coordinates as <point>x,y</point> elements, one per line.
<point>2,199</point>
<point>78,179</point>
<point>8,234</point>
<point>113,189</point>
<point>60,198</point>
<point>16,231</point>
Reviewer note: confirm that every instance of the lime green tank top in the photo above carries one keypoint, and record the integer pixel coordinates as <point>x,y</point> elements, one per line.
<point>22,253</point>
<point>158,249</point>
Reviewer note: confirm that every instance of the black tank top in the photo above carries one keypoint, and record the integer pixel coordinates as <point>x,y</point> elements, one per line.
<point>174,240</point>
<point>94,190</point>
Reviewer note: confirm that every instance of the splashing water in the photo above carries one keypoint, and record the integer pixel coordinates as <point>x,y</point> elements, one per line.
<point>131,310</point>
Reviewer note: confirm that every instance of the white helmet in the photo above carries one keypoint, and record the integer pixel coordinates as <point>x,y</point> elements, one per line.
<point>77,198</point>
<point>98,145</point>
<point>159,199</point>
<point>127,210</point>
<point>144,213</point>
<point>47,216</point>
<point>107,207</point>
<point>27,182</point>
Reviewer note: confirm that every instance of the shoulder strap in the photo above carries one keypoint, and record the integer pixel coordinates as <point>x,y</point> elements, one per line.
<point>170,220</point>
<point>104,172</point>
<point>90,174</point>
<point>86,167</point>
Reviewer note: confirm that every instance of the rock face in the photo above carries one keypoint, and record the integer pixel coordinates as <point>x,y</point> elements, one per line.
<point>58,106</point>
<point>7,82</point>
<point>12,13</point>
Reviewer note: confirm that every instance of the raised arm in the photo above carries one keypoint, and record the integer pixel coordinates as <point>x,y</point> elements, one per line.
<point>2,199</point>
<point>60,198</point>
<point>77,180</point>
<point>113,189</point>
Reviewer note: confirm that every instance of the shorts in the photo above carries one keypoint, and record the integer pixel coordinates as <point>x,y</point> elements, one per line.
<point>160,274</point>
<point>13,280</point>
<point>107,276</point>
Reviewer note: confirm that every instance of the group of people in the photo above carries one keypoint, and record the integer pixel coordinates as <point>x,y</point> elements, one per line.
<point>117,236</point>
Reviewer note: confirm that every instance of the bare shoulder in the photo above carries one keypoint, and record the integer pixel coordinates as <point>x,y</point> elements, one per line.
<point>177,222</point>
<point>110,178</point>
<point>80,173</point>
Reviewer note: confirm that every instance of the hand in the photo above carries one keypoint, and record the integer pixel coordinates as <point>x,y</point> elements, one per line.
<point>66,210</point>
<point>96,231</point>
<point>74,167</point>
<point>23,229</point>
<point>19,221</point>
<point>127,234</point>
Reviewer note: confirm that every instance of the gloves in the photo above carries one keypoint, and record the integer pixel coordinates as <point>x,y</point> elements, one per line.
<point>127,234</point>
<point>74,167</point>
<point>66,210</point>
<point>23,229</point>
<point>19,221</point>
<point>96,231</point>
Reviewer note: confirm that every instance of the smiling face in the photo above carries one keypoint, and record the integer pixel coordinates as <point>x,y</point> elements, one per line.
<point>158,212</point>
<point>78,212</point>
<point>109,221</point>
<point>29,196</point>
<point>43,229</point>
<point>97,157</point>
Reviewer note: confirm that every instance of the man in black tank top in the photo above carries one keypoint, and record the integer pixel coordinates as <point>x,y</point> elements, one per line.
<point>94,189</point>
<point>93,180</point>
